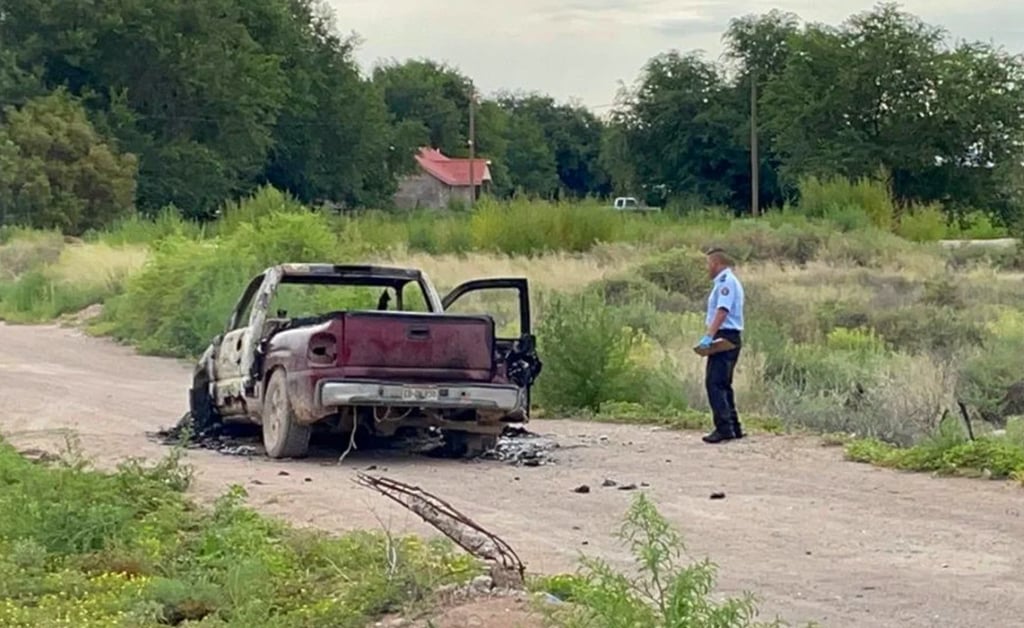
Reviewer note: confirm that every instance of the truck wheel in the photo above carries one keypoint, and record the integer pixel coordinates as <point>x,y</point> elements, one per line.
<point>283,437</point>
<point>466,445</point>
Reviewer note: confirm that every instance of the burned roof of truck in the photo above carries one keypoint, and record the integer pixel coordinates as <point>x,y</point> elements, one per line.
<point>347,274</point>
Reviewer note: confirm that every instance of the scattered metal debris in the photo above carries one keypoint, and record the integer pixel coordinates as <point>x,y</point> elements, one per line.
<point>718,496</point>
<point>507,570</point>
<point>516,445</point>
<point>582,490</point>
<point>520,447</point>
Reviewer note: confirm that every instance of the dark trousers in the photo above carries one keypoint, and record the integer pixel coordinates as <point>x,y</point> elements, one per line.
<point>718,381</point>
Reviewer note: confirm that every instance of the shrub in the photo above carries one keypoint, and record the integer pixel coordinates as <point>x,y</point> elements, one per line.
<point>34,297</point>
<point>838,196</point>
<point>183,296</point>
<point>977,225</point>
<point>988,372</point>
<point>528,228</point>
<point>138,229</point>
<point>663,593</point>
<point>592,357</point>
<point>925,223</point>
<point>683,271</point>
<point>921,328</point>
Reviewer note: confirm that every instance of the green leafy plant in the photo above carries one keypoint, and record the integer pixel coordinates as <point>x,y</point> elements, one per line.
<point>664,593</point>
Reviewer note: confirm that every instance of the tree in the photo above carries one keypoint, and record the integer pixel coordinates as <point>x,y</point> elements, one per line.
<point>531,162</point>
<point>681,124</point>
<point>760,46</point>
<point>332,139</point>
<point>56,171</point>
<point>431,94</point>
<point>882,91</point>
<point>202,92</point>
<point>573,134</point>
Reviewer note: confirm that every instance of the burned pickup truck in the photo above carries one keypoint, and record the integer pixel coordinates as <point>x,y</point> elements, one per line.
<point>371,348</point>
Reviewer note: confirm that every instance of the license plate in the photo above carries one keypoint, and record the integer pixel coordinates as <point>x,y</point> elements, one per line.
<point>419,394</point>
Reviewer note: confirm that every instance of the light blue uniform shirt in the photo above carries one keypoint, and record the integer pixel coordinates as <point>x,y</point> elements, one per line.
<point>726,292</point>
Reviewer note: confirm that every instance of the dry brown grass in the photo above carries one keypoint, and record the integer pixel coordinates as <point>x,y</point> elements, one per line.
<point>95,264</point>
<point>561,272</point>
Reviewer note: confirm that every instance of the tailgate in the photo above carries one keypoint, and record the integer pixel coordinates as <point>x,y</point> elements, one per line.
<point>411,346</point>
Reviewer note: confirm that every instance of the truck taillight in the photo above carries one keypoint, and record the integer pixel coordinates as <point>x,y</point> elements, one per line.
<point>323,350</point>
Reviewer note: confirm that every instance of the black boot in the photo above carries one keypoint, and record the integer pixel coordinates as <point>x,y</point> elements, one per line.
<point>722,432</point>
<point>737,429</point>
<point>716,437</point>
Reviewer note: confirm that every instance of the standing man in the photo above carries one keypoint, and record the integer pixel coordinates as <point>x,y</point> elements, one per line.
<point>724,320</point>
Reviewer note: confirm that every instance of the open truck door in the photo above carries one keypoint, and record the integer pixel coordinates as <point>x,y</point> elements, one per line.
<point>519,350</point>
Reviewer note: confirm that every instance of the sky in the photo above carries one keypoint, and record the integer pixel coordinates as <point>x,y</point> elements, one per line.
<point>582,50</point>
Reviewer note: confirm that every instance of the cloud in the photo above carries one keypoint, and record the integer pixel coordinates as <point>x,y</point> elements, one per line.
<point>583,48</point>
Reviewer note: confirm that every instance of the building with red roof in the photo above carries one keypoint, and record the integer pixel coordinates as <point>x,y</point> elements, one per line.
<point>442,181</point>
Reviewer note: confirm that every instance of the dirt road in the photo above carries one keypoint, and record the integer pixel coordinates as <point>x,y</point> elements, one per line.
<point>818,539</point>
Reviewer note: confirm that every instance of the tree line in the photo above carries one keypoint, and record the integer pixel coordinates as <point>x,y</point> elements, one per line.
<point>112,106</point>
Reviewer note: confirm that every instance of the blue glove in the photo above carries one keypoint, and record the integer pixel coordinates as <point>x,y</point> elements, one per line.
<point>705,342</point>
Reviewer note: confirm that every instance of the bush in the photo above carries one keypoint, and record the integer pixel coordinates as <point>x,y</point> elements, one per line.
<point>989,372</point>
<point>840,197</point>
<point>592,357</point>
<point>923,224</point>
<point>89,549</point>
<point>183,296</point>
<point>683,271</point>
<point>663,593</point>
<point>528,228</point>
<point>977,225</point>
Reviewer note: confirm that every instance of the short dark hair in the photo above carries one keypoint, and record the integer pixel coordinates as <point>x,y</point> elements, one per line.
<point>720,254</point>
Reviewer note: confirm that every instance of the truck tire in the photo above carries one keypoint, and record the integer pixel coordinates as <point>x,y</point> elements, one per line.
<point>202,410</point>
<point>459,444</point>
<point>283,437</point>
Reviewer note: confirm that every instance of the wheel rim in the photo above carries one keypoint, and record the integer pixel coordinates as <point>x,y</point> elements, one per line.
<point>272,427</point>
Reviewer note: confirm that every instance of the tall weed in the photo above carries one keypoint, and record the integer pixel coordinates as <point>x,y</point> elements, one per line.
<point>661,592</point>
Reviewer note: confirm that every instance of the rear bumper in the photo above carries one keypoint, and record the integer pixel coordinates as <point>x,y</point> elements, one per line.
<point>504,398</point>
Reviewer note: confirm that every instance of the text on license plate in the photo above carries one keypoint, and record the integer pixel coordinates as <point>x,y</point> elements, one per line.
<point>419,394</point>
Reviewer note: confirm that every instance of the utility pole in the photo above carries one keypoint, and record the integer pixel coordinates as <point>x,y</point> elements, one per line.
<point>472,147</point>
<point>755,162</point>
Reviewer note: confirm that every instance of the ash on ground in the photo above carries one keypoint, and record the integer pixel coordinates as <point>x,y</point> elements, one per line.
<point>516,446</point>
<point>520,447</point>
<point>230,439</point>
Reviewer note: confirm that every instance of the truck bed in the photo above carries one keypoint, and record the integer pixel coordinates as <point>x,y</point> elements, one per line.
<point>399,346</point>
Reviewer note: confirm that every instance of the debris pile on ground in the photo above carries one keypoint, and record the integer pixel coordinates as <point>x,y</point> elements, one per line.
<point>516,445</point>
<point>522,448</point>
<point>229,439</point>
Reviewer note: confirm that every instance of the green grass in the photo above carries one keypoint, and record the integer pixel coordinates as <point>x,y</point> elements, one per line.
<point>89,549</point>
<point>950,452</point>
